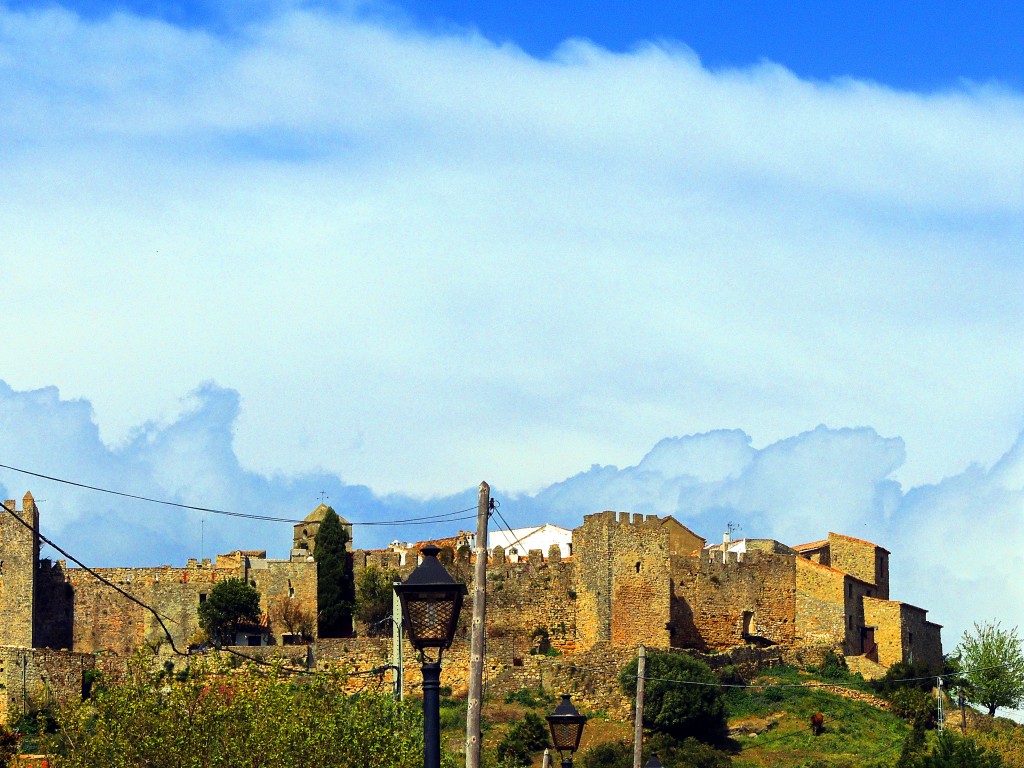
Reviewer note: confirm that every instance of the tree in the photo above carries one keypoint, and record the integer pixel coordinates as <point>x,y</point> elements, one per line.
<point>374,599</point>
<point>230,603</point>
<point>682,697</point>
<point>992,661</point>
<point>530,734</point>
<point>296,619</point>
<point>335,589</point>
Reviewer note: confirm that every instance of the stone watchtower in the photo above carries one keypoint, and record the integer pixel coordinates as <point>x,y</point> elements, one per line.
<point>19,554</point>
<point>304,535</point>
<point>623,580</point>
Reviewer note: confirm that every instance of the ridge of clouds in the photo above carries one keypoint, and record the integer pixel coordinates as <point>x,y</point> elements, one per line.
<point>961,536</point>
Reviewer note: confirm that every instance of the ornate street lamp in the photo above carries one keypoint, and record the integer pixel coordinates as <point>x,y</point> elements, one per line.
<point>431,601</point>
<point>653,762</point>
<point>566,725</point>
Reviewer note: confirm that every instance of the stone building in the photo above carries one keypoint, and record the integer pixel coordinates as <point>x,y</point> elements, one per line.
<point>49,605</point>
<point>633,586</point>
<point>517,542</point>
<point>629,579</point>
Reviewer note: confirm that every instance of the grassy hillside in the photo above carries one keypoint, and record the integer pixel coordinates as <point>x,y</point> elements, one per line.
<point>770,725</point>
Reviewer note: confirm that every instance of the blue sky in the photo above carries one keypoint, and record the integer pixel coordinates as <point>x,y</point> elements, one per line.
<point>914,45</point>
<point>766,270</point>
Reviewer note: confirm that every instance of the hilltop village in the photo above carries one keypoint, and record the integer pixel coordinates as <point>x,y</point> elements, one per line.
<point>599,590</point>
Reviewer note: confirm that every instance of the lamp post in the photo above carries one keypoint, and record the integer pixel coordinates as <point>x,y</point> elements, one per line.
<point>431,600</point>
<point>566,725</point>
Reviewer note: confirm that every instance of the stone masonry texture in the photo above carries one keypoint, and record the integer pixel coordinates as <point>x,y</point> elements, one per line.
<point>631,579</point>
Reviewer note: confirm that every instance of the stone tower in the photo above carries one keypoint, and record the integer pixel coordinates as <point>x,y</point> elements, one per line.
<point>304,533</point>
<point>623,580</point>
<point>19,555</point>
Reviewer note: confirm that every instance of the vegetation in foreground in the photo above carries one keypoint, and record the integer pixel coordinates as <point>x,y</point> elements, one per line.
<point>251,717</point>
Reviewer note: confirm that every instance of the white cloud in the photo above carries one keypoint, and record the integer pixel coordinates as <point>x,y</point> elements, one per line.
<point>429,259</point>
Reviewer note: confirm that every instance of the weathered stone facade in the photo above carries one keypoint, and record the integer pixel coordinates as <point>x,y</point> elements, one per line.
<point>622,580</point>
<point>48,605</point>
<point>36,677</point>
<point>631,579</point>
<point>721,605</point>
<point>635,585</point>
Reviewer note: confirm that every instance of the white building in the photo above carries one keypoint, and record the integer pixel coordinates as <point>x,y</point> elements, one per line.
<point>519,541</point>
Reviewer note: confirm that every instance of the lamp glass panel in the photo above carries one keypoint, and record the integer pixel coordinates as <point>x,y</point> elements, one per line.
<point>430,617</point>
<point>566,735</point>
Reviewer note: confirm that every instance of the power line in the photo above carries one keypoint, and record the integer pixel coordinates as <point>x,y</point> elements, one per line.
<point>437,517</point>
<point>159,617</point>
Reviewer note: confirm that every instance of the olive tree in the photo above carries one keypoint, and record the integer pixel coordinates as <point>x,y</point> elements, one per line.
<point>992,660</point>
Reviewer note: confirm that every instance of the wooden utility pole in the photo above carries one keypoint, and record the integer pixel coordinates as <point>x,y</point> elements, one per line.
<point>638,728</point>
<point>476,651</point>
<point>396,642</point>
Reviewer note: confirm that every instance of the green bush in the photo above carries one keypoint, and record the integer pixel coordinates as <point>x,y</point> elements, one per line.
<point>902,675</point>
<point>682,697</point>
<point>524,737</point>
<point>730,675</point>
<point>251,716</point>
<point>952,751</point>
<point>688,753</point>
<point>608,754</point>
<point>915,706</point>
<point>833,666</point>
<point>10,742</point>
<point>33,728</point>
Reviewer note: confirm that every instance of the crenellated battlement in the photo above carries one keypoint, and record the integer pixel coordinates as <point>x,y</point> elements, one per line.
<point>609,517</point>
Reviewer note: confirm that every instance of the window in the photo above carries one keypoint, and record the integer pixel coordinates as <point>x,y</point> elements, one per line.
<point>849,622</point>
<point>638,567</point>
<point>202,597</point>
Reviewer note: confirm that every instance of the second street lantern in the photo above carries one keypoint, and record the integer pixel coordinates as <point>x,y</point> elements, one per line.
<point>566,725</point>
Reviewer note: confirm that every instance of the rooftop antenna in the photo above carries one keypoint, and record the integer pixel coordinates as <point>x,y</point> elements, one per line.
<point>727,537</point>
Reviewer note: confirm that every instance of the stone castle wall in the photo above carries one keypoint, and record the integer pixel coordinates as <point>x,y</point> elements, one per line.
<point>720,605</point>
<point>820,604</point>
<point>35,677</point>
<point>903,633</point>
<point>626,584</point>
<point>105,620</point>
<point>531,597</point>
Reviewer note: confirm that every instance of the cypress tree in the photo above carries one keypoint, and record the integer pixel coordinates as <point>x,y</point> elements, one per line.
<point>335,585</point>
